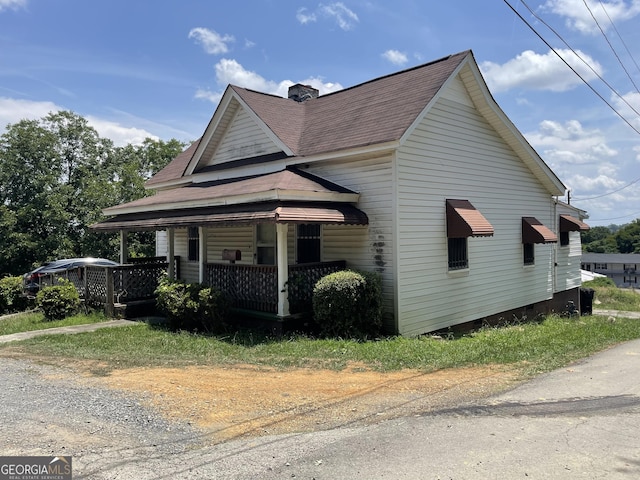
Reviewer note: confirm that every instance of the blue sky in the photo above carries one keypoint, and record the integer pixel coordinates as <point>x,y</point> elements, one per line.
<point>141,68</point>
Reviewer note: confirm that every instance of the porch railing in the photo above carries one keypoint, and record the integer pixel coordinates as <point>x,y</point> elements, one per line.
<point>100,285</point>
<point>255,287</point>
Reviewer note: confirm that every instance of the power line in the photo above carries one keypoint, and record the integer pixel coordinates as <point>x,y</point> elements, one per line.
<point>608,193</point>
<point>581,59</point>
<point>581,78</point>
<point>620,37</point>
<point>637,214</point>
<point>609,42</point>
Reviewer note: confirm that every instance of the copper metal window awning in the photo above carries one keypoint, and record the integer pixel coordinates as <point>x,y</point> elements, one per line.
<point>533,231</point>
<point>572,224</point>
<point>463,220</point>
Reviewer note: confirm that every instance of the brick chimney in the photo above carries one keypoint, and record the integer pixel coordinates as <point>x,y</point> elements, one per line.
<point>300,93</point>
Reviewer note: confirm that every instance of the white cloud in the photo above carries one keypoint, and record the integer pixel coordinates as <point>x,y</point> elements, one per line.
<point>337,11</point>
<point>304,17</point>
<point>206,94</point>
<point>13,111</point>
<point>565,144</point>
<point>627,106</point>
<point>119,134</point>
<point>578,17</point>
<point>13,4</point>
<point>540,72</point>
<point>212,42</point>
<point>229,71</point>
<point>598,183</point>
<point>395,57</point>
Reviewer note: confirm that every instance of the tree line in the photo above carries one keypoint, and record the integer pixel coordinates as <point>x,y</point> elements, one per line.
<point>613,239</point>
<point>56,176</point>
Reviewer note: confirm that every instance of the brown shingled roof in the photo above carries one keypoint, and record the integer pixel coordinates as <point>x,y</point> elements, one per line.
<point>291,180</point>
<point>175,169</point>
<point>371,113</point>
<point>374,112</point>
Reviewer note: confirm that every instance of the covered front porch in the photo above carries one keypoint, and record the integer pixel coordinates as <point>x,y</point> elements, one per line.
<point>257,239</point>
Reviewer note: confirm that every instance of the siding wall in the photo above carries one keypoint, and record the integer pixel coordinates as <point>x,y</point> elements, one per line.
<point>568,257</point>
<point>365,248</point>
<point>454,153</point>
<point>243,139</point>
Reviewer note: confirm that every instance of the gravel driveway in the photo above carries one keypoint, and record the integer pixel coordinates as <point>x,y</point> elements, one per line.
<point>45,411</point>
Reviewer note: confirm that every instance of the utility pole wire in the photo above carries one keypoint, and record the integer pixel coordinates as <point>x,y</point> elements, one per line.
<point>581,59</point>
<point>610,44</point>
<point>620,37</point>
<point>574,70</point>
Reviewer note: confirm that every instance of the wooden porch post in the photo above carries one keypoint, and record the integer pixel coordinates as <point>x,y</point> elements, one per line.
<point>283,268</point>
<point>171,256</point>
<point>202,232</point>
<point>124,247</point>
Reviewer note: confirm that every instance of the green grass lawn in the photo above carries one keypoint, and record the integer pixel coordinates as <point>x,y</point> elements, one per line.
<point>529,348</point>
<point>29,321</point>
<point>612,298</point>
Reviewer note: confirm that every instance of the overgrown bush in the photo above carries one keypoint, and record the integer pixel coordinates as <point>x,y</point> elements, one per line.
<point>191,306</point>
<point>58,301</point>
<point>348,304</point>
<point>11,296</point>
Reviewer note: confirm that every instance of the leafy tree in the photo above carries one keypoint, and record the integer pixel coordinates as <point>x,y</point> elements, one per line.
<point>129,168</point>
<point>56,176</point>
<point>595,234</point>
<point>628,237</point>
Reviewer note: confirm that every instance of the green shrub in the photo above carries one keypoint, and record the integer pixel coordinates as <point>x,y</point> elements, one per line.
<point>599,282</point>
<point>11,295</point>
<point>58,301</point>
<point>348,304</point>
<point>191,306</point>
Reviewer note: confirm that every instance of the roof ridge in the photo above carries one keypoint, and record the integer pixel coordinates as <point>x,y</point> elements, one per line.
<point>400,72</point>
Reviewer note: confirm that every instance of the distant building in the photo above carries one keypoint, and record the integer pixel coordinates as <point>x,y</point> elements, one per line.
<point>622,268</point>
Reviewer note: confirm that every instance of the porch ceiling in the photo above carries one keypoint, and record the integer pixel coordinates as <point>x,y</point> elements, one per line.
<point>245,214</point>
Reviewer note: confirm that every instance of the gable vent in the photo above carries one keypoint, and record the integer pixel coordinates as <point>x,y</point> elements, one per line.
<point>301,93</point>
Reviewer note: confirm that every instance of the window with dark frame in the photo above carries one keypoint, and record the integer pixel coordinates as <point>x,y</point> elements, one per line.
<point>266,244</point>
<point>458,257</point>
<point>193,239</point>
<point>529,253</point>
<point>308,243</point>
<point>564,239</point>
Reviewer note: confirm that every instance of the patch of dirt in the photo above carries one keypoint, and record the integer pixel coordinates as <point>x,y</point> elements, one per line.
<point>246,401</point>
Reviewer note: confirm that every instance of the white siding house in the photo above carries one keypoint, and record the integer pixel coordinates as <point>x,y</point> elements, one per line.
<point>418,176</point>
